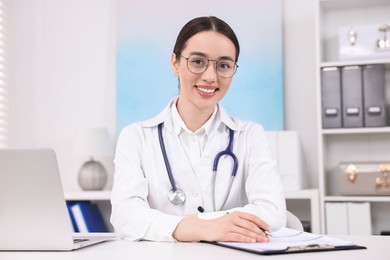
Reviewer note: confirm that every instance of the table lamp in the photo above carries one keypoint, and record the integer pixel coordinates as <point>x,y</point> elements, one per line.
<point>93,142</point>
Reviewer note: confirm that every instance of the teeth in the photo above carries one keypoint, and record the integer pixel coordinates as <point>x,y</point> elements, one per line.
<point>206,90</point>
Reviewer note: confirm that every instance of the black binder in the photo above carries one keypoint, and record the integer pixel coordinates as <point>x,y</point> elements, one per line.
<point>374,95</point>
<point>331,97</point>
<point>352,98</point>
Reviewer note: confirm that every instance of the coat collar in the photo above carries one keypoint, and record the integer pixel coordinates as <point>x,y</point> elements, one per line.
<point>166,116</point>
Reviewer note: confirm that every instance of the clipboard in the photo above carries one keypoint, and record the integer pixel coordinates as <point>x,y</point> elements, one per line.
<point>290,241</point>
<point>292,249</point>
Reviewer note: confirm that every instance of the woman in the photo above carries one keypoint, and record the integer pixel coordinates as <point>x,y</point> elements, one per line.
<point>164,186</point>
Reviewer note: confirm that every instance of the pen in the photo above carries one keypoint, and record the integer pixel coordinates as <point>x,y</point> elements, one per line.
<point>266,232</point>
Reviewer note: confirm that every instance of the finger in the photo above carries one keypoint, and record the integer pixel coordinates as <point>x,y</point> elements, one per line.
<point>260,228</point>
<point>236,229</point>
<point>247,236</point>
<point>248,229</point>
<point>256,220</point>
<point>245,220</point>
<point>237,237</point>
<point>248,225</point>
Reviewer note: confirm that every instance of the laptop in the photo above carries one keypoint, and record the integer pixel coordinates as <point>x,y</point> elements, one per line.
<point>33,211</point>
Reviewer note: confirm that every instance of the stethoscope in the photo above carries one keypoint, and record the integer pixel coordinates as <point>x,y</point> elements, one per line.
<point>176,195</point>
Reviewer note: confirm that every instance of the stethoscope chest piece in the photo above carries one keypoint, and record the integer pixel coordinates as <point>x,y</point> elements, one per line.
<point>177,197</point>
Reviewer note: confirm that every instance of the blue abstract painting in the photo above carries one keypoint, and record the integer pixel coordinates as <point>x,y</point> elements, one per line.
<point>146,33</point>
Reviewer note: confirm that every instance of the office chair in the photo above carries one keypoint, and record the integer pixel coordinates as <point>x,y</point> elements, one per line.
<point>293,222</point>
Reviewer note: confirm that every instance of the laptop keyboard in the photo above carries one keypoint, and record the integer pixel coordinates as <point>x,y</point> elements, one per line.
<point>79,240</point>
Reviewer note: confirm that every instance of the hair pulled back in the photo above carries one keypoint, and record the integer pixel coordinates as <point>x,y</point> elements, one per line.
<point>205,23</point>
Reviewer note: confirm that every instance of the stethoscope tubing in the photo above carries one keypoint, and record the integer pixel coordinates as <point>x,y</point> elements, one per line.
<point>227,152</point>
<point>164,153</point>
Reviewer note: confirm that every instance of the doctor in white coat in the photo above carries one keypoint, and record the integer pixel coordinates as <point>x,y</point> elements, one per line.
<point>165,188</point>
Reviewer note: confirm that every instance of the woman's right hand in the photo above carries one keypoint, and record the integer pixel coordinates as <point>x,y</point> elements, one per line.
<point>234,227</point>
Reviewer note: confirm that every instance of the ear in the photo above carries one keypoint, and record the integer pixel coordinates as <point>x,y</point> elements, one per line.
<point>175,64</point>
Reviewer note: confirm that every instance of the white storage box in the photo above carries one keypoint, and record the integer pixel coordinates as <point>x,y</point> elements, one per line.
<point>286,148</point>
<point>364,41</point>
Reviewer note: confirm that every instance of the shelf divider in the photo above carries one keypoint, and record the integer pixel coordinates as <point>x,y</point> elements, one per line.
<point>87,195</point>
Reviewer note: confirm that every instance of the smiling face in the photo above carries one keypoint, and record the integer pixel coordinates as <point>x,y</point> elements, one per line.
<point>202,91</point>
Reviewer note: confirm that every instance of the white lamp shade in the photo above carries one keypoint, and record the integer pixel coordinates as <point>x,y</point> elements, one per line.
<point>93,142</point>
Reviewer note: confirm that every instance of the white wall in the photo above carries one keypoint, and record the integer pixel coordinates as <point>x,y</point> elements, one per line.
<point>300,79</point>
<point>64,75</point>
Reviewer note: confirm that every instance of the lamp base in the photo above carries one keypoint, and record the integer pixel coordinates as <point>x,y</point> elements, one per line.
<point>92,176</point>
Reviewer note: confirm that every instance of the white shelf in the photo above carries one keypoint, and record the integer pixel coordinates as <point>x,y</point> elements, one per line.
<point>105,195</point>
<point>365,130</point>
<point>88,195</point>
<point>357,198</point>
<point>354,63</point>
<point>334,14</point>
<point>309,194</point>
<point>345,4</point>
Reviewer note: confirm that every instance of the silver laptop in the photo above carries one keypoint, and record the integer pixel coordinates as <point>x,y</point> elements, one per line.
<point>33,212</point>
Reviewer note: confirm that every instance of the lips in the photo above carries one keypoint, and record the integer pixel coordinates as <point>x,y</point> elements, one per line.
<point>206,91</point>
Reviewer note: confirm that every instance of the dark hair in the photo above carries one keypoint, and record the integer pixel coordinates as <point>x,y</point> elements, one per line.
<point>206,23</point>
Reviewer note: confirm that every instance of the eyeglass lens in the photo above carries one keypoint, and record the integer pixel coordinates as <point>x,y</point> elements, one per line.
<point>199,64</point>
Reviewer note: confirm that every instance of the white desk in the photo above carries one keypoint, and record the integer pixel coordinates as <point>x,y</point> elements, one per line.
<point>377,249</point>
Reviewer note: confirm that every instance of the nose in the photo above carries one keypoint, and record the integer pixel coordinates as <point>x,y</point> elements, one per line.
<point>210,74</point>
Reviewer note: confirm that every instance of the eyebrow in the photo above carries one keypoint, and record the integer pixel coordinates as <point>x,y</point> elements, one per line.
<point>205,55</point>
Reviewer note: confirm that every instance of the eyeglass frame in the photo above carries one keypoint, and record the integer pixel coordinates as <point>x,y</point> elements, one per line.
<point>208,62</point>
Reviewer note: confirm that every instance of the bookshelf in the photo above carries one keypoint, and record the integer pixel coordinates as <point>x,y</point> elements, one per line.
<point>349,144</point>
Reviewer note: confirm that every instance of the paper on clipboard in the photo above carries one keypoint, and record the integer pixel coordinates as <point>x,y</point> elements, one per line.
<point>293,240</point>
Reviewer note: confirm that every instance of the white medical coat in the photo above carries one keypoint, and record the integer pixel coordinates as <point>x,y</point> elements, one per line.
<point>140,205</point>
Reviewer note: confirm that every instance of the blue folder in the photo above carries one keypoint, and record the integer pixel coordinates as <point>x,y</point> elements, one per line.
<point>69,205</point>
<point>87,217</point>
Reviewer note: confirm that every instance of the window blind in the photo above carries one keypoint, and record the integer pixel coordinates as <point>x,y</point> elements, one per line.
<point>4,88</point>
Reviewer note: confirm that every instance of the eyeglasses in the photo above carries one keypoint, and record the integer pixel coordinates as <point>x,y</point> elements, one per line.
<point>198,64</point>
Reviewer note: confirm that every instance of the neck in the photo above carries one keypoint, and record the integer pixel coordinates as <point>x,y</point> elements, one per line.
<point>193,117</point>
